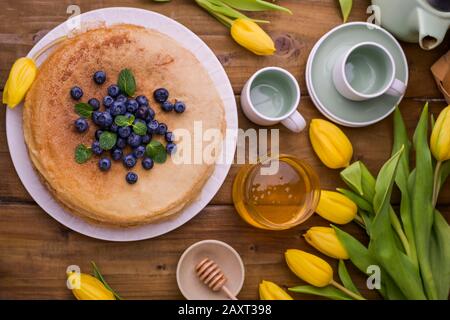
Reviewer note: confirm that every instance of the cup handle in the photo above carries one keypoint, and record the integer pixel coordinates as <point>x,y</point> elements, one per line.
<point>397,88</point>
<point>295,122</point>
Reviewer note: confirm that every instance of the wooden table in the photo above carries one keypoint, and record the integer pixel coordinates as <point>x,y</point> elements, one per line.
<point>35,249</point>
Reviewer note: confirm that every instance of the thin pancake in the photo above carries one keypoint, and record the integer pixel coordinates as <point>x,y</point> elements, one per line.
<point>156,60</point>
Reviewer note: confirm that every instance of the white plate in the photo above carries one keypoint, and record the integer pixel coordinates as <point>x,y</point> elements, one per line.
<point>209,61</point>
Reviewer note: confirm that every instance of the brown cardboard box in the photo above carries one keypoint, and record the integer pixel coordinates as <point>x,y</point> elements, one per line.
<point>441,73</point>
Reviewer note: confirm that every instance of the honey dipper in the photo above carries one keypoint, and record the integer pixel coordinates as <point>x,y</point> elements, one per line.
<point>211,275</point>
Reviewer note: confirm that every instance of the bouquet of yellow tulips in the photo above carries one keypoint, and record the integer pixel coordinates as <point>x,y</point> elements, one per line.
<point>411,249</point>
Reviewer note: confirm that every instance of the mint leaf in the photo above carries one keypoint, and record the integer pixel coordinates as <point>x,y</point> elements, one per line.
<point>156,151</point>
<point>107,140</point>
<point>140,128</point>
<point>126,82</point>
<point>122,121</point>
<point>82,153</point>
<point>84,109</point>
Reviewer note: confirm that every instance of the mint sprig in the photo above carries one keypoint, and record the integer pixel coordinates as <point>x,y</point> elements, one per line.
<point>126,82</point>
<point>107,140</point>
<point>140,128</point>
<point>84,109</point>
<point>156,151</point>
<point>82,153</point>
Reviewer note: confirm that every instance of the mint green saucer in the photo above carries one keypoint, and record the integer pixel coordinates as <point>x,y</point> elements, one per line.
<point>319,75</point>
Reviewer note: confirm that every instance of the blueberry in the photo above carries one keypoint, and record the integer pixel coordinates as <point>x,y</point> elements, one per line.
<point>81,124</point>
<point>132,105</point>
<point>121,143</point>
<point>161,95</point>
<point>146,138</point>
<point>129,161</point>
<point>139,152</point>
<point>118,108</point>
<point>116,153</point>
<point>170,137</point>
<point>179,107</point>
<point>151,115</point>
<point>99,77</point>
<point>131,177</point>
<point>147,163</point>
<point>95,115</point>
<point>104,119</point>
<point>104,164</point>
<point>121,98</point>
<point>76,93</point>
<point>139,120</point>
<point>162,129</point>
<point>114,128</point>
<point>94,103</point>
<point>96,149</point>
<point>108,101</point>
<point>142,100</point>
<point>152,126</point>
<point>124,132</point>
<point>167,106</point>
<point>134,140</point>
<point>113,90</point>
<point>98,133</point>
<point>171,147</point>
<point>142,112</point>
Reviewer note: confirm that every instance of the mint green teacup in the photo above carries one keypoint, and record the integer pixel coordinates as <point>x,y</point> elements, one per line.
<point>366,71</point>
<point>271,96</point>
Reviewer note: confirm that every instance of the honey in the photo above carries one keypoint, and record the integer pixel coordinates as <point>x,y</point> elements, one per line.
<point>280,200</point>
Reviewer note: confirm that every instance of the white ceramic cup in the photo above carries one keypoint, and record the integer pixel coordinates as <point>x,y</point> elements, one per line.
<point>366,71</point>
<point>290,117</point>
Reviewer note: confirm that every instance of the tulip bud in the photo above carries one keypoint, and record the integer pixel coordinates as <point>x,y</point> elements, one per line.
<point>21,76</point>
<point>86,287</point>
<point>325,240</point>
<point>309,268</point>
<point>330,144</point>
<point>440,137</point>
<point>270,291</point>
<point>335,207</point>
<point>249,35</point>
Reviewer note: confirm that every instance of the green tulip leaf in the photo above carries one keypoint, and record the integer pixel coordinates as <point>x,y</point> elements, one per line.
<point>346,279</point>
<point>421,199</point>
<point>346,8</point>
<point>327,292</point>
<point>401,140</point>
<point>440,254</point>
<point>383,245</point>
<point>445,172</point>
<point>360,180</point>
<point>358,200</point>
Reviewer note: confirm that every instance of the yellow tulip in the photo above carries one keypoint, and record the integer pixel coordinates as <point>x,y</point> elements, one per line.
<point>86,287</point>
<point>440,137</point>
<point>21,76</point>
<point>309,268</point>
<point>249,35</point>
<point>336,207</point>
<point>331,145</point>
<point>325,240</point>
<point>270,291</point>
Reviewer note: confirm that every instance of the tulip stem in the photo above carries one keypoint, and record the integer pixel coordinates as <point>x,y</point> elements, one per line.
<point>359,221</point>
<point>346,291</point>
<point>437,182</point>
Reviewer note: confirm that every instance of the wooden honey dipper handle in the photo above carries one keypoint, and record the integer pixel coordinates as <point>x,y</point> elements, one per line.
<point>210,274</point>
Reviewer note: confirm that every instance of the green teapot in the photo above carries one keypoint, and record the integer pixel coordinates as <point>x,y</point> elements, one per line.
<point>422,21</point>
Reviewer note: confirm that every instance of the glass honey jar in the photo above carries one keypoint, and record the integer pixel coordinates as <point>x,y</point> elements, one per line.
<point>277,193</point>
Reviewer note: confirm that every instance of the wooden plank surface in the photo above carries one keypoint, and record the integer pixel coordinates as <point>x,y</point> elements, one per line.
<point>35,250</point>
